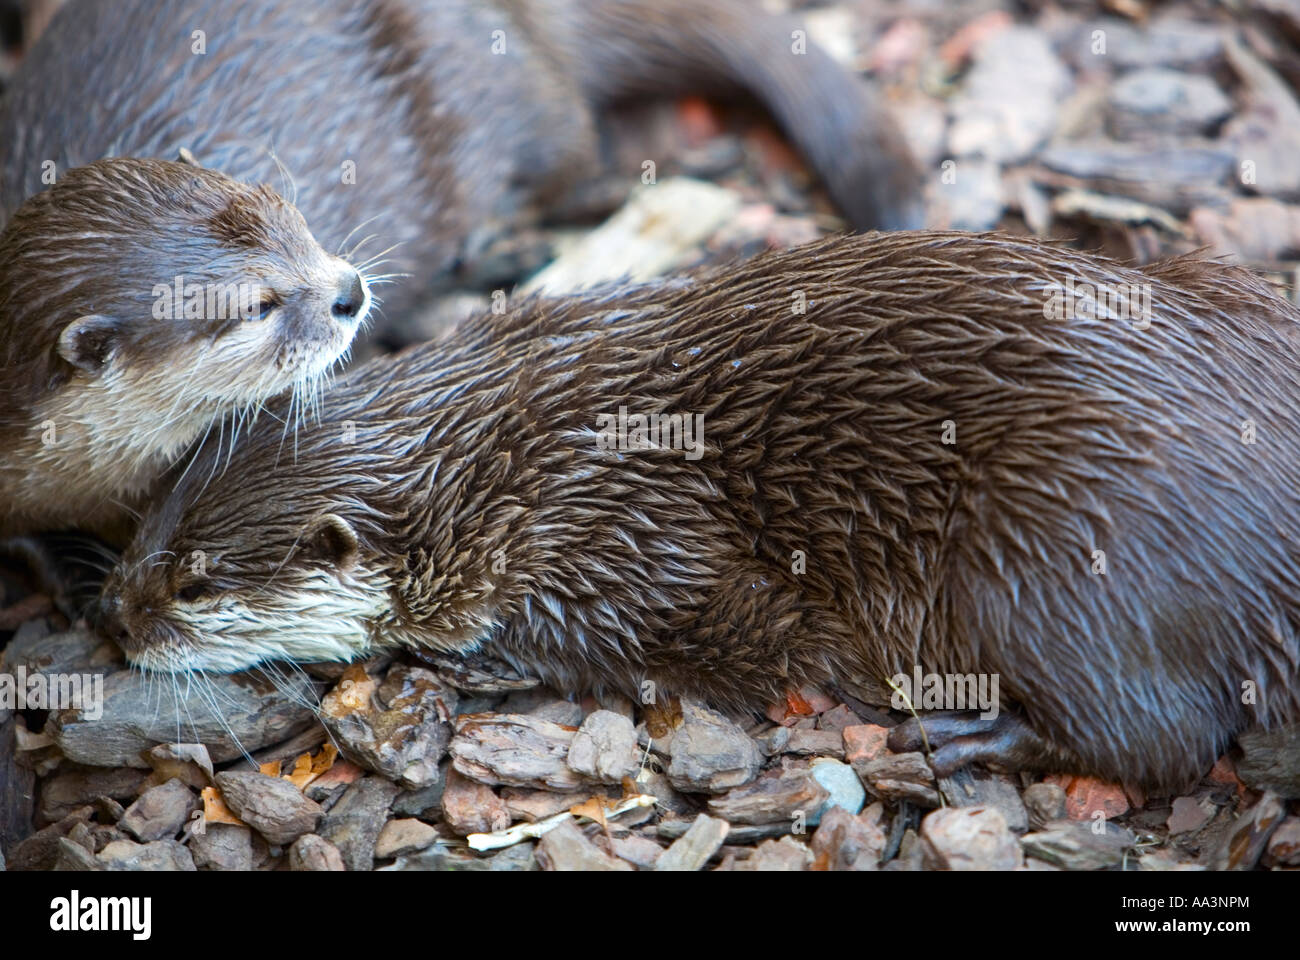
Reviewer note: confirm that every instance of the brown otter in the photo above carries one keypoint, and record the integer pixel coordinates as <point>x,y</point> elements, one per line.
<point>420,126</point>
<point>141,302</point>
<point>918,469</point>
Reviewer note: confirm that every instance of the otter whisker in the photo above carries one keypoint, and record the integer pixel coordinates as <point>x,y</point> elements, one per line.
<point>360,226</point>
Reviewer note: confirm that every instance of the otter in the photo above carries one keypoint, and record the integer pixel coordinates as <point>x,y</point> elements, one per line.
<point>418,130</point>
<point>144,301</point>
<point>881,452</point>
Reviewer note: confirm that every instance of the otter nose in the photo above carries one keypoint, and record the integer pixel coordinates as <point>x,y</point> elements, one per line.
<point>108,619</point>
<point>351,296</point>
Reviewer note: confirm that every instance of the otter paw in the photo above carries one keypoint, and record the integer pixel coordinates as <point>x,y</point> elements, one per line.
<point>958,739</point>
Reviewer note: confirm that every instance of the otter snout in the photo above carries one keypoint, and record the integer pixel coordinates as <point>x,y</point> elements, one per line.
<point>352,298</point>
<point>110,622</point>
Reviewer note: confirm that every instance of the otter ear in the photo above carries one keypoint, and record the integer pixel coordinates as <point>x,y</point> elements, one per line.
<point>89,341</point>
<point>183,155</point>
<point>331,539</point>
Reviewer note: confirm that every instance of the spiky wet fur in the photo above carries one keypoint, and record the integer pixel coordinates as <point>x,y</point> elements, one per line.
<point>823,434</point>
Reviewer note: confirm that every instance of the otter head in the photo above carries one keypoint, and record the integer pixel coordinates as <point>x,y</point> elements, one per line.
<point>152,293</point>
<point>240,580</point>
<point>372,527</point>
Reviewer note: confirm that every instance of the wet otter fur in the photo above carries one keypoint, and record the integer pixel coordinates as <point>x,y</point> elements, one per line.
<point>416,130</point>
<point>458,495</point>
<point>105,378</point>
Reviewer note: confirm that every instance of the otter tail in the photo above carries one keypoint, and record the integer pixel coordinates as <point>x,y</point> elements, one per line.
<point>623,47</point>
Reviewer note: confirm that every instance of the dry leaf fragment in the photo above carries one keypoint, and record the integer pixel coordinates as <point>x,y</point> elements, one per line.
<point>593,809</point>
<point>215,809</point>
<point>352,694</point>
<point>307,768</point>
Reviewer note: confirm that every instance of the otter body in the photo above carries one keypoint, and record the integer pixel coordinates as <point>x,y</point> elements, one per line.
<point>919,469</point>
<point>421,127</point>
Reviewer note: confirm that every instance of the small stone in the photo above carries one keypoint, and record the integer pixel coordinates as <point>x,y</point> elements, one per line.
<point>783,854</point>
<point>472,807</point>
<point>39,851</point>
<point>972,198</point>
<point>839,717</point>
<point>400,837</point>
<point>103,834</point>
<point>81,834</point>
<point>1074,845</point>
<point>240,712</point>
<point>109,809</point>
<point>864,742</point>
<point>1157,99</point>
<point>844,842</point>
<point>160,812</point>
<point>564,712</point>
<point>968,838</point>
<point>534,805</point>
<point>1189,814</point>
<point>774,741</point>
<point>158,855</point>
<point>424,802</point>
<point>398,728</point>
<point>974,787</point>
<point>657,229</point>
<point>329,786</point>
<point>187,762</point>
<point>639,851</point>
<point>1271,760</point>
<point>75,786</point>
<point>710,754</point>
<point>1245,843</point>
<point>692,850</point>
<point>1173,41</point>
<point>223,846</point>
<point>1085,797</point>
<point>604,749</point>
<point>900,776</point>
<point>667,799</point>
<point>1284,846</point>
<point>845,789</point>
<point>783,794</point>
<point>1045,802</point>
<point>312,852</point>
<point>353,824</point>
<point>515,750</point>
<point>1008,103</point>
<point>566,848</point>
<point>819,743</point>
<point>520,857</point>
<point>273,807</point>
<point>74,857</point>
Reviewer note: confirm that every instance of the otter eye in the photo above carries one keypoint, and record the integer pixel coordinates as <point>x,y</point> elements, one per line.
<point>193,592</point>
<point>263,307</point>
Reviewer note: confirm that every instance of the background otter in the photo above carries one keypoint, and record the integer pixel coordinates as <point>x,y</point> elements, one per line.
<point>455,113</point>
<point>100,389</point>
<point>455,495</point>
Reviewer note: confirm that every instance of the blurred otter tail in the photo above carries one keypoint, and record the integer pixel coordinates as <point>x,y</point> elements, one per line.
<point>838,122</point>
